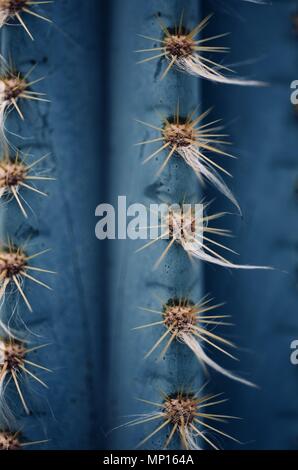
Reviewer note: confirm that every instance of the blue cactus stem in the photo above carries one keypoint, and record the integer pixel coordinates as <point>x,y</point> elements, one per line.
<point>66,53</point>
<point>263,307</point>
<point>140,94</point>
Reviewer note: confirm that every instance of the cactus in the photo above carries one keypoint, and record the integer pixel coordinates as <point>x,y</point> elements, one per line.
<point>100,368</point>
<point>180,47</point>
<point>11,10</point>
<point>188,323</point>
<point>17,265</point>
<point>183,137</point>
<point>186,415</point>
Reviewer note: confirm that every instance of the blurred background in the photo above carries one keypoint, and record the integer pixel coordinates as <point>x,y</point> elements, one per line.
<point>97,91</point>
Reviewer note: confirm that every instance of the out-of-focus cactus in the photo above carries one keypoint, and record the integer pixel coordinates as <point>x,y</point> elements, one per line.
<point>264,307</point>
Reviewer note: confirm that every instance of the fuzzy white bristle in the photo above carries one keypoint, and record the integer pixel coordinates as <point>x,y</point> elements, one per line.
<point>258,1</point>
<point>197,349</point>
<point>184,52</point>
<point>11,11</point>
<point>4,15</point>
<point>16,175</point>
<point>3,107</point>
<point>195,242</point>
<point>2,349</point>
<point>185,322</point>
<point>202,168</point>
<point>191,439</point>
<point>193,140</point>
<point>194,65</point>
<point>185,416</point>
<point>195,249</point>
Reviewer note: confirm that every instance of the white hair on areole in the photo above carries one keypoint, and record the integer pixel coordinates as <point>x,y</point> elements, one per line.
<point>258,1</point>
<point>183,51</point>
<point>3,108</point>
<point>191,233</point>
<point>12,10</point>
<point>202,168</point>
<point>14,87</point>
<point>194,65</point>
<point>184,415</point>
<point>5,411</point>
<point>197,250</point>
<point>14,366</point>
<point>191,439</point>
<point>195,242</point>
<point>4,15</point>
<point>197,349</point>
<point>16,175</point>
<point>188,323</point>
<point>194,140</point>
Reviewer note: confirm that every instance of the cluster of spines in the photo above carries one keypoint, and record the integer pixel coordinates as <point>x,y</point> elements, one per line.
<point>18,174</point>
<point>193,140</point>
